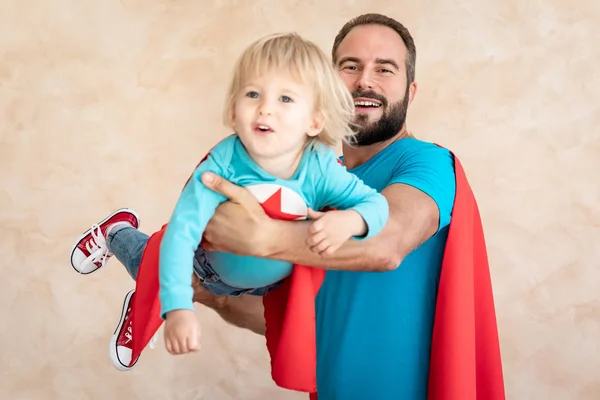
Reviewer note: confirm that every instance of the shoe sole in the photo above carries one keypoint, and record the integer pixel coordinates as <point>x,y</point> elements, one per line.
<point>113,340</point>
<point>128,210</point>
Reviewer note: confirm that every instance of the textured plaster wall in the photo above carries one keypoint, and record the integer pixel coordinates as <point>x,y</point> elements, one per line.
<point>105,104</point>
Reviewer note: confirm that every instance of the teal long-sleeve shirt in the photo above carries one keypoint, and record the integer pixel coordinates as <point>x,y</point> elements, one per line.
<point>320,180</point>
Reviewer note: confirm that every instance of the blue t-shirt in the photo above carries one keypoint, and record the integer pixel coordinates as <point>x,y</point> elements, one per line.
<point>374,329</point>
<point>320,180</point>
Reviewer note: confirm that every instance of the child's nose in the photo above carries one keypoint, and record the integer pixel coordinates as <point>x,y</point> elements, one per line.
<point>265,108</point>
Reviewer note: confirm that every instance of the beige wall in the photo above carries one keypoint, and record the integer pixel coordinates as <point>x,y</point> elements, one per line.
<point>105,104</point>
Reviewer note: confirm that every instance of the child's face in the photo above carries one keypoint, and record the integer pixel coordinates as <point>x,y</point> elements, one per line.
<point>274,115</point>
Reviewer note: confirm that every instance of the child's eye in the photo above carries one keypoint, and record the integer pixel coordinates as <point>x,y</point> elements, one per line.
<point>286,99</point>
<point>252,94</point>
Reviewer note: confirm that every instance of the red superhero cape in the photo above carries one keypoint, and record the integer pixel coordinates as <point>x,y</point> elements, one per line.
<point>465,354</point>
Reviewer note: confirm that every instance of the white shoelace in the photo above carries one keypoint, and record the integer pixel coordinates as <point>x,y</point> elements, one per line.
<point>97,248</point>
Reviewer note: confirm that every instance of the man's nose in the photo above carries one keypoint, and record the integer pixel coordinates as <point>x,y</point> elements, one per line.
<point>365,80</point>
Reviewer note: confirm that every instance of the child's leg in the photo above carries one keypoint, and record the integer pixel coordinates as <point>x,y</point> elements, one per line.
<point>107,238</point>
<point>116,235</point>
<point>127,244</point>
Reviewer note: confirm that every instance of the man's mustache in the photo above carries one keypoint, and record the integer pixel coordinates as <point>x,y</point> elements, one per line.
<point>369,94</point>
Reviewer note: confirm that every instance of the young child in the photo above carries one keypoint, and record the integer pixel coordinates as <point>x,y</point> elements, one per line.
<point>288,109</point>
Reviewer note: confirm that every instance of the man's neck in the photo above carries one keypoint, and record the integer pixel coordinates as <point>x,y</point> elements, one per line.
<point>355,156</point>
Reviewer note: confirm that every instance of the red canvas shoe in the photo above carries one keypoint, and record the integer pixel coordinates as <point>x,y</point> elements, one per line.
<point>121,345</point>
<point>90,251</point>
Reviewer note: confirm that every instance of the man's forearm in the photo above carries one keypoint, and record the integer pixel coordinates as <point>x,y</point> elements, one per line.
<point>413,219</point>
<point>364,255</point>
<point>244,312</point>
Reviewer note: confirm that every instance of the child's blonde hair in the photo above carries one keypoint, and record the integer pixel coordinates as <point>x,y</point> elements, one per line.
<point>309,64</point>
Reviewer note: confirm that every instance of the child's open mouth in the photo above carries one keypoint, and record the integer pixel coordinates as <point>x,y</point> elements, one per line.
<point>262,128</point>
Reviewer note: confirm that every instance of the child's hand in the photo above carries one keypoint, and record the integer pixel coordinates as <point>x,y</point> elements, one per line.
<point>182,332</point>
<point>331,229</point>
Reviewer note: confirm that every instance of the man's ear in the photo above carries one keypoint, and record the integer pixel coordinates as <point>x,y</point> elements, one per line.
<point>317,124</point>
<point>412,92</point>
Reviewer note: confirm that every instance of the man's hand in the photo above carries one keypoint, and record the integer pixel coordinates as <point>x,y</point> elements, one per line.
<point>182,332</point>
<point>331,229</point>
<point>239,226</point>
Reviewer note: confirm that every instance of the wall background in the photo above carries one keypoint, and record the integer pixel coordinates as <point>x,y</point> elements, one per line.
<point>105,104</point>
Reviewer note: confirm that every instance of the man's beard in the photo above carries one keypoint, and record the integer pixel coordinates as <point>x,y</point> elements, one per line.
<point>386,127</point>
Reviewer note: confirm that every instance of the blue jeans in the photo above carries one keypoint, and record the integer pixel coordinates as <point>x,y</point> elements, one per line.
<point>128,244</point>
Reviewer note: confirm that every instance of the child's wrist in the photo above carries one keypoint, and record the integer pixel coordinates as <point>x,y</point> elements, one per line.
<point>358,223</point>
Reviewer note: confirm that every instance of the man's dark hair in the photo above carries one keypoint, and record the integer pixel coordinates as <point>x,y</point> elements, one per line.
<point>379,19</point>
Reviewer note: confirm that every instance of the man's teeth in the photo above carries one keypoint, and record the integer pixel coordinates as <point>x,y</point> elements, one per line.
<point>366,104</point>
<point>263,127</point>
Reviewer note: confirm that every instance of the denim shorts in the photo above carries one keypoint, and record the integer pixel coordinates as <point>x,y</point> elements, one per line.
<point>213,283</point>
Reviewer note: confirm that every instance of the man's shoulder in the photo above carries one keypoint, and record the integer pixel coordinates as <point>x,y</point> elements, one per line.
<point>412,145</point>
<point>411,151</point>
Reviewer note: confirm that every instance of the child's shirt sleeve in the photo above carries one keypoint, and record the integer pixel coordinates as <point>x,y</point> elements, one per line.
<point>340,189</point>
<point>194,208</point>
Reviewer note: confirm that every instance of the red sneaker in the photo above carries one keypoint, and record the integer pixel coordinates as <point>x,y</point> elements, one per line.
<point>121,341</point>
<point>90,251</point>
<point>121,344</point>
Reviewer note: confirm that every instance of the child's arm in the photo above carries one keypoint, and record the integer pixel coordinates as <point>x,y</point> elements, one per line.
<point>361,211</point>
<point>195,207</point>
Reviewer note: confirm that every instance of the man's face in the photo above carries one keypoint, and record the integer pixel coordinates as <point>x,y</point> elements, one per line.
<point>372,62</point>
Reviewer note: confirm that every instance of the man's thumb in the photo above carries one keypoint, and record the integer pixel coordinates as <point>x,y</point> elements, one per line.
<point>222,186</point>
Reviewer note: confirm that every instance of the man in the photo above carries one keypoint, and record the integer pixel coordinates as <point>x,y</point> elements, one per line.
<point>375,309</point>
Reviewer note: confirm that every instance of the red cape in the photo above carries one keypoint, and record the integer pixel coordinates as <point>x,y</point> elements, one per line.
<point>465,353</point>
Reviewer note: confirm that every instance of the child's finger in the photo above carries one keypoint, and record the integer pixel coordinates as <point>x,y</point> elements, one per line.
<point>312,214</point>
<point>316,227</point>
<point>321,246</point>
<point>183,347</point>
<point>315,239</point>
<point>193,343</point>
<point>329,250</point>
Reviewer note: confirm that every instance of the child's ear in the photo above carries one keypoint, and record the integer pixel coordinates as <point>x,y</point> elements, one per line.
<point>232,119</point>
<point>317,124</point>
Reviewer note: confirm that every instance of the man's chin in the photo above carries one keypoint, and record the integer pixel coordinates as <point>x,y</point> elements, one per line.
<point>368,114</point>
<point>365,121</point>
